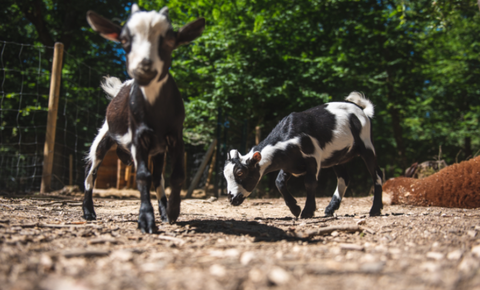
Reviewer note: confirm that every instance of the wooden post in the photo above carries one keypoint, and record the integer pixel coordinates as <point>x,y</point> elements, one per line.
<point>258,135</point>
<point>70,169</point>
<point>196,179</point>
<point>210,171</point>
<point>48,150</point>
<point>119,173</point>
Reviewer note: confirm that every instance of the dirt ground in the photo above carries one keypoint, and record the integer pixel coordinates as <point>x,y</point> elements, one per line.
<point>45,244</point>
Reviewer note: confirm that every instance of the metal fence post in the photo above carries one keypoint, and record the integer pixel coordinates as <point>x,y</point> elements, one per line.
<point>48,150</point>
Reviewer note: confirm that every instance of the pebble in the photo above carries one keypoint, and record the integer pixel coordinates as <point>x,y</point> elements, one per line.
<point>278,276</point>
<point>476,251</point>
<point>217,270</point>
<point>472,233</point>
<point>455,255</point>
<point>373,267</point>
<point>122,255</point>
<point>435,255</point>
<point>246,258</point>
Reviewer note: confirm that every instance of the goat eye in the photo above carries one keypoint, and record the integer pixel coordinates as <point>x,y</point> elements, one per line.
<point>239,173</point>
<point>126,44</point>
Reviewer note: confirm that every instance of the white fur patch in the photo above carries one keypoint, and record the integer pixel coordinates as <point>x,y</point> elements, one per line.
<point>92,155</point>
<point>342,133</point>
<point>133,151</point>
<point>146,29</point>
<point>379,180</point>
<point>160,191</point>
<point>125,140</point>
<point>111,86</point>
<point>269,150</point>
<point>359,99</point>
<point>93,149</point>
<point>232,186</point>
<point>341,188</point>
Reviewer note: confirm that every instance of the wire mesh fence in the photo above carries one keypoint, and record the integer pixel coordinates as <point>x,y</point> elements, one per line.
<point>25,79</point>
<point>24,96</point>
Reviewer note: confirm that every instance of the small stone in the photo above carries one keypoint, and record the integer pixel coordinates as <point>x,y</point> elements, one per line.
<point>472,233</point>
<point>335,233</point>
<point>430,266</point>
<point>476,251</point>
<point>435,255</point>
<point>256,275</point>
<point>351,247</point>
<point>373,267</point>
<point>122,255</point>
<point>217,270</point>
<point>246,258</point>
<point>46,262</point>
<point>361,222</point>
<point>278,276</point>
<point>468,264</point>
<point>455,255</point>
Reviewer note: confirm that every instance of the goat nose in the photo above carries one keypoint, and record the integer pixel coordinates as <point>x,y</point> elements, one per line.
<point>146,63</point>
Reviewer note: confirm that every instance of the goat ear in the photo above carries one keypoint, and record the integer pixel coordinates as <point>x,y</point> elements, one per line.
<point>135,8</point>
<point>190,31</point>
<point>164,11</point>
<point>228,157</point>
<point>105,27</point>
<point>255,159</point>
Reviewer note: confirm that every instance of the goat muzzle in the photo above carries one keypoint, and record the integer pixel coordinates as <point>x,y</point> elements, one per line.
<point>236,200</point>
<point>144,77</point>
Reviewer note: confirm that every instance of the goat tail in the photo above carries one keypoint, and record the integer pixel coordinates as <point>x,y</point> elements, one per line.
<point>111,86</point>
<point>364,103</point>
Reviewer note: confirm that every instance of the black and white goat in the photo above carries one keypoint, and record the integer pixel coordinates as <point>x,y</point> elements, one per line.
<point>302,143</point>
<point>146,113</point>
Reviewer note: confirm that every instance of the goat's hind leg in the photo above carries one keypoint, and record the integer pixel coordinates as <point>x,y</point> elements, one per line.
<point>342,184</point>
<point>99,148</point>
<point>371,161</point>
<point>290,201</point>
<point>159,185</point>
<point>176,179</point>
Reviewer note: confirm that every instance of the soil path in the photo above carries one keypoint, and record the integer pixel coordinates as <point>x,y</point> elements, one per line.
<point>44,244</point>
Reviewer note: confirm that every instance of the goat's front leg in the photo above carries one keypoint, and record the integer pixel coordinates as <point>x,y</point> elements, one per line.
<point>311,187</point>
<point>159,185</point>
<point>370,160</point>
<point>290,201</point>
<point>176,180</point>
<point>146,217</point>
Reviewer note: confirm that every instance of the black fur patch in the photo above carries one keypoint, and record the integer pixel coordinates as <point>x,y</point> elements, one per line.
<point>306,145</point>
<point>333,206</point>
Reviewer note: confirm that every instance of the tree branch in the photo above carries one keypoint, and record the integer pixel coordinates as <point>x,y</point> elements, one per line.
<point>32,9</point>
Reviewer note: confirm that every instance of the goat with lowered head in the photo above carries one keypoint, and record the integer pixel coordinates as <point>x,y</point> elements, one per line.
<point>302,143</point>
<point>146,114</point>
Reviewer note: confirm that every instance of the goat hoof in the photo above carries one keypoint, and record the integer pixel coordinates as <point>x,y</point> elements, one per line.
<point>164,218</point>
<point>295,210</point>
<point>89,213</point>
<point>173,211</point>
<point>90,216</point>
<point>328,214</point>
<point>375,213</point>
<point>306,215</point>
<point>146,222</point>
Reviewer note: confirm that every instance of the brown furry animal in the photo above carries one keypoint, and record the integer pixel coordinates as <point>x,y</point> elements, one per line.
<point>457,185</point>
